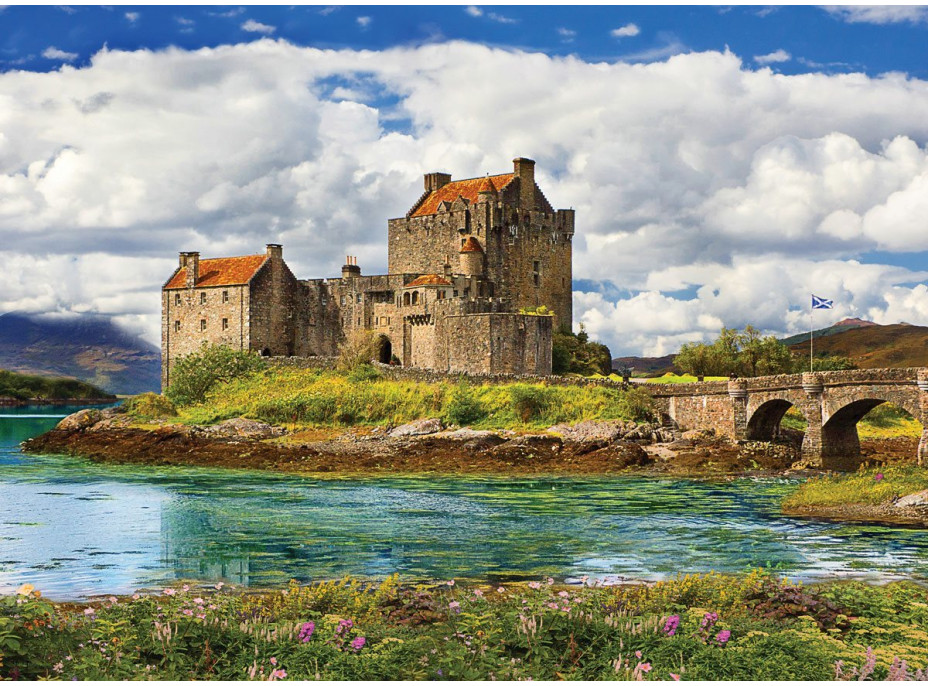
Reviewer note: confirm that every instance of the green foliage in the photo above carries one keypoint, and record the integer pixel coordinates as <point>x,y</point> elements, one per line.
<point>462,406</point>
<point>149,406</point>
<point>325,398</point>
<point>29,387</point>
<point>639,405</point>
<point>196,374</point>
<point>357,350</point>
<point>576,354</point>
<point>711,627</point>
<point>364,372</point>
<point>743,353</point>
<point>825,363</point>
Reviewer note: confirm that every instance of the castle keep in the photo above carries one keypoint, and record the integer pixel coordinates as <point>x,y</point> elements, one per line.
<point>464,261</point>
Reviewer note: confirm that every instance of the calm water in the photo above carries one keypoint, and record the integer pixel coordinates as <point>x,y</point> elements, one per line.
<point>75,529</point>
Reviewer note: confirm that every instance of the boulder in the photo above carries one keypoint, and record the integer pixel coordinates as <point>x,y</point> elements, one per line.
<point>528,446</point>
<point>245,428</point>
<point>919,499</point>
<point>591,430</point>
<point>420,427</point>
<point>80,420</point>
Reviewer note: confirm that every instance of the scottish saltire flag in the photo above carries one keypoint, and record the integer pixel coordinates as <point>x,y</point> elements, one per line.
<point>821,303</point>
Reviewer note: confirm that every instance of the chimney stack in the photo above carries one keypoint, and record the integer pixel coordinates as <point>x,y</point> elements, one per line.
<point>275,251</point>
<point>191,261</point>
<point>350,269</point>
<point>436,180</point>
<point>524,170</point>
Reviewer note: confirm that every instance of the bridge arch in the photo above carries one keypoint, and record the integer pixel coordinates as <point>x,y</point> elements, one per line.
<point>840,416</point>
<point>765,411</point>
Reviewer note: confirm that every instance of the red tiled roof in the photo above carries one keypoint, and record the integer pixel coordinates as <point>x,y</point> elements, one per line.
<point>429,280</point>
<point>466,188</point>
<point>471,245</point>
<point>221,271</point>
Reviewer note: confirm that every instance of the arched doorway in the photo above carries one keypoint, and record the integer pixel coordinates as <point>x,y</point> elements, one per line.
<point>384,350</point>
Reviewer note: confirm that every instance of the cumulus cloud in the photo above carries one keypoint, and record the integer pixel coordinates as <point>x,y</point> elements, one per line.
<point>773,57</point>
<point>474,11</point>
<point>707,192</point>
<point>132,17</point>
<point>567,35</point>
<point>880,14</point>
<point>626,31</point>
<point>364,22</point>
<point>257,27</point>
<point>53,53</point>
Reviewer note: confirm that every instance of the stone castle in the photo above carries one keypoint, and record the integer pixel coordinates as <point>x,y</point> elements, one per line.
<point>469,265</point>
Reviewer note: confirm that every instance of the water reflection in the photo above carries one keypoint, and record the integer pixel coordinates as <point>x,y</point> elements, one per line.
<point>74,528</point>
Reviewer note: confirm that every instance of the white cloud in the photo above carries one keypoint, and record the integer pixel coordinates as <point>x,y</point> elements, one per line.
<point>474,11</point>
<point>625,31</point>
<point>257,27</point>
<point>566,34</point>
<point>132,17</point>
<point>880,14</point>
<point>707,192</point>
<point>364,22</point>
<point>53,53</point>
<point>773,57</point>
<point>228,14</point>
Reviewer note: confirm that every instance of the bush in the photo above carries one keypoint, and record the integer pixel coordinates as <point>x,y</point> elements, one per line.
<point>358,348</point>
<point>150,406</point>
<point>529,402</point>
<point>364,372</point>
<point>576,354</point>
<point>639,405</point>
<point>194,375</point>
<point>462,406</point>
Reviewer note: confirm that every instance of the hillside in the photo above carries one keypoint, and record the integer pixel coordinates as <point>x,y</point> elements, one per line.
<point>91,348</point>
<point>840,327</point>
<point>25,387</point>
<point>642,366</point>
<point>870,347</point>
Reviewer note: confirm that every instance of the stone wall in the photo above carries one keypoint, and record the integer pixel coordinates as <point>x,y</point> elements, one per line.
<point>274,291</point>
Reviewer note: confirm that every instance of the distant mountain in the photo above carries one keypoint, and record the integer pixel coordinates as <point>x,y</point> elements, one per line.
<point>91,348</point>
<point>645,365</point>
<point>840,327</point>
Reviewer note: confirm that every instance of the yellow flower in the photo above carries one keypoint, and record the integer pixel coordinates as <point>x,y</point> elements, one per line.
<point>25,589</point>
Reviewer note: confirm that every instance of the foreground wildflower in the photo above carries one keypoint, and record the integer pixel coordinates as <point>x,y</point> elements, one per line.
<point>358,643</point>
<point>306,631</point>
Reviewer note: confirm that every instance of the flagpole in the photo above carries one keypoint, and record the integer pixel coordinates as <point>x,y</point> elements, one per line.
<point>811,332</point>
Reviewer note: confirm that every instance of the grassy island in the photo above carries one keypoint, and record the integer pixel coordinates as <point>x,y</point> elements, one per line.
<point>752,627</point>
<point>18,388</point>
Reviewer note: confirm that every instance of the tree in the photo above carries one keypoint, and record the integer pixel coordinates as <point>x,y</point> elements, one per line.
<point>745,353</point>
<point>575,353</point>
<point>194,375</point>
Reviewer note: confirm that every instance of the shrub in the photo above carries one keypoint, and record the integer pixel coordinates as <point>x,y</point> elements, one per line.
<point>638,405</point>
<point>529,402</point>
<point>194,375</point>
<point>150,406</point>
<point>358,348</point>
<point>462,406</point>
<point>364,372</point>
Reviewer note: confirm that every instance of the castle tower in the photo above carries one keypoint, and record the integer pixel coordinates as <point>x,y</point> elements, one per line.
<point>471,257</point>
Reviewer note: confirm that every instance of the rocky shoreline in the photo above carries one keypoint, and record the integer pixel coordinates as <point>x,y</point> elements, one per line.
<point>17,402</point>
<point>425,446</point>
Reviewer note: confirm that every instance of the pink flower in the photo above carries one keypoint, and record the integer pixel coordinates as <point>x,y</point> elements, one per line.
<point>553,606</point>
<point>113,599</point>
<point>186,588</point>
<point>550,581</point>
<point>455,606</point>
<point>534,585</point>
<point>188,612</point>
<point>675,677</point>
<point>478,593</point>
<point>198,601</point>
<point>563,594</point>
<point>169,591</point>
<point>135,596</point>
<point>450,583</point>
<point>219,586</point>
<point>878,477</point>
<point>645,666</point>
<point>89,611</point>
<point>358,643</point>
<point>274,661</point>
<point>500,590</point>
<point>638,654</point>
<point>723,637</point>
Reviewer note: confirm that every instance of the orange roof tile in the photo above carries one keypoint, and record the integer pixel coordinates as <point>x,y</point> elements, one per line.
<point>221,271</point>
<point>466,188</point>
<point>471,245</point>
<point>429,280</point>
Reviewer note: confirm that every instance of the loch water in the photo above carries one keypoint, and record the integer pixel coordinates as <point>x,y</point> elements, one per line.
<point>75,529</point>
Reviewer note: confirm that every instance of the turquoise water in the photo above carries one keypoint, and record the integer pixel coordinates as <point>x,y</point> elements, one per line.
<point>73,528</point>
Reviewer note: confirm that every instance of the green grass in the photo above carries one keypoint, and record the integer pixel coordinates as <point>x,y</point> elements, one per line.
<point>682,378</point>
<point>323,398</point>
<point>867,487</point>
<point>747,627</point>
<point>883,421</point>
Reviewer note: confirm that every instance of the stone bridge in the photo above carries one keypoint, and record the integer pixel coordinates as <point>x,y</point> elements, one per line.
<point>831,402</point>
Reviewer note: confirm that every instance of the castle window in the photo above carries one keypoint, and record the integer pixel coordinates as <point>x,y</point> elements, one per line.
<point>406,298</point>
<point>202,298</point>
<point>225,324</point>
<point>359,321</point>
<point>536,268</point>
<point>415,297</point>
<point>343,299</point>
<point>177,325</point>
<point>177,298</point>
<point>358,298</point>
<point>202,325</point>
<point>225,296</point>
<point>455,293</point>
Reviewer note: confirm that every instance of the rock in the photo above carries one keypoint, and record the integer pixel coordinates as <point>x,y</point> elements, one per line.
<point>627,454</point>
<point>80,420</point>
<point>591,431</point>
<point>528,446</point>
<point>246,428</point>
<point>697,434</point>
<point>919,499</point>
<point>420,427</point>
<point>468,434</point>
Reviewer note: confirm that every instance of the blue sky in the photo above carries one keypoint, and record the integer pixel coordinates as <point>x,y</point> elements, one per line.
<point>815,38</point>
<point>724,162</point>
